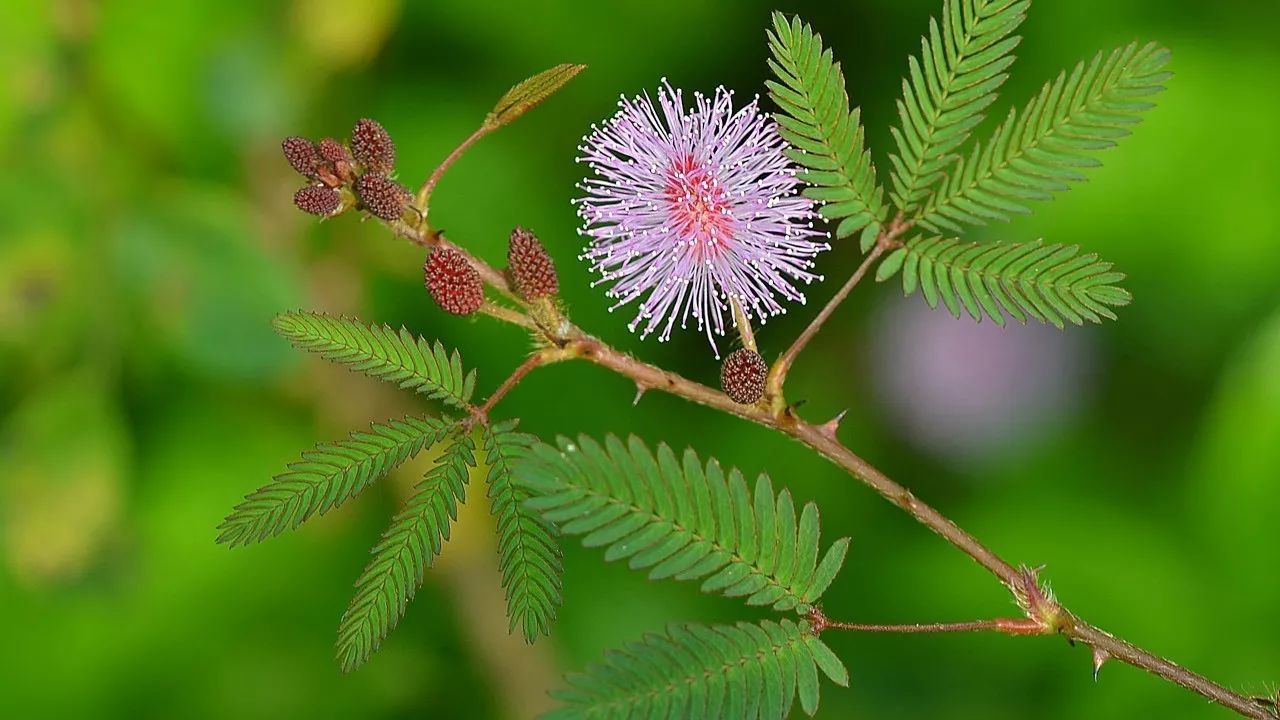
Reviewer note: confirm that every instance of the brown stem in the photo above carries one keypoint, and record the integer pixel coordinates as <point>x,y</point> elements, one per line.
<point>1112,646</point>
<point>648,376</point>
<point>514,379</point>
<point>778,373</point>
<point>424,194</point>
<point>1045,615</point>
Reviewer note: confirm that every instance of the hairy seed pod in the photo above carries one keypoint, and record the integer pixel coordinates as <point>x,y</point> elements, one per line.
<point>318,200</point>
<point>372,146</point>
<point>382,196</point>
<point>452,282</point>
<point>532,271</point>
<point>742,376</point>
<point>301,154</point>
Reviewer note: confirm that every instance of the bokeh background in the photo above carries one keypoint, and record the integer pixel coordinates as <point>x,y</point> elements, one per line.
<point>147,238</point>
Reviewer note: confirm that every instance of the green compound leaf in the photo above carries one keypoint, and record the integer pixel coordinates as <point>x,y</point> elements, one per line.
<point>528,93</point>
<point>683,519</point>
<point>380,352</point>
<point>735,672</point>
<point>1050,283</point>
<point>1041,151</point>
<point>826,136</point>
<point>528,555</point>
<point>961,65</point>
<point>403,554</point>
<point>327,476</point>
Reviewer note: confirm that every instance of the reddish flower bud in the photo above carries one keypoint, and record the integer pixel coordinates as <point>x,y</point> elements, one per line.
<point>382,196</point>
<point>373,147</point>
<point>333,151</point>
<point>452,282</point>
<point>301,154</point>
<point>337,165</point>
<point>318,200</point>
<point>532,271</point>
<point>742,376</point>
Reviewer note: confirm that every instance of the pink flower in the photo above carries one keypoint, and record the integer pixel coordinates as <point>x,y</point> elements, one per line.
<point>689,209</point>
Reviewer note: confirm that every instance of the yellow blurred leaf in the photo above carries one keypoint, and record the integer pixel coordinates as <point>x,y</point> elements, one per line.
<point>341,33</point>
<point>62,480</point>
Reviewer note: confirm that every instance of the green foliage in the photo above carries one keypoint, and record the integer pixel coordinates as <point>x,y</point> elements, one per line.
<point>961,65</point>
<point>380,352</point>
<point>327,476</point>
<point>697,671</point>
<point>403,554</point>
<point>526,94</point>
<point>1051,283</point>
<point>827,136</point>
<point>1035,154</point>
<point>528,555</point>
<point>683,520</point>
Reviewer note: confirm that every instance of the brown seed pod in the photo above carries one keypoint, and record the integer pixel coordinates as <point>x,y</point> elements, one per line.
<point>382,196</point>
<point>372,146</point>
<point>532,271</point>
<point>452,282</point>
<point>301,154</point>
<point>742,376</point>
<point>318,200</point>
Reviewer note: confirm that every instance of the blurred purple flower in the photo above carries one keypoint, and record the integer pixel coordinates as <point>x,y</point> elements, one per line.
<point>971,391</point>
<point>691,208</point>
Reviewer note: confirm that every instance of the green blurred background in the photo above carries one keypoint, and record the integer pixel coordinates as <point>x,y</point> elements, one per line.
<point>147,237</point>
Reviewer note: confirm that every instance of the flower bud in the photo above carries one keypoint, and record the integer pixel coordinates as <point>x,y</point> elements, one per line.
<point>318,200</point>
<point>301,154</point>
<point>743,375</point>
<point>532,271</point>
<point>382,196</point>
<point>453,283</point>
<point>373,147</point>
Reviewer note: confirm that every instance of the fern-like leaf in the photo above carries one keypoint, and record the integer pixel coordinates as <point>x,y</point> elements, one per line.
<point>683,519</point>
<point>961,65</point>
<point>1040,151</point>
<point>327,476</point>
<point>735,672</point>
<point>403,554</point>
<point>528,555</point>
<point>1050,283</point>
<point>826,136</point>
<point>526,94</point>
<point>380,352</point>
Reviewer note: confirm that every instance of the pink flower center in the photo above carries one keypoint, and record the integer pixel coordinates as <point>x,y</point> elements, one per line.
<point>699,204</point>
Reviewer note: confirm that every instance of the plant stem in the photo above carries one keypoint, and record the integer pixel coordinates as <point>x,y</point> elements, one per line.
<point>512,380</point>
<point>744,325</point>
<point>424,194</point>
<point>506,314</point>
<point>1045,615</point>
<point>648,376</point>
<point>1122,650</point>
<point>778,373</point>
<point>1007,626</point>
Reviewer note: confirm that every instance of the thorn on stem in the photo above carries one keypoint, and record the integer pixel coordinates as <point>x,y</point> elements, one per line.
<point>830,427</point>
<point>1100,656</point>
<point>640,391</point>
